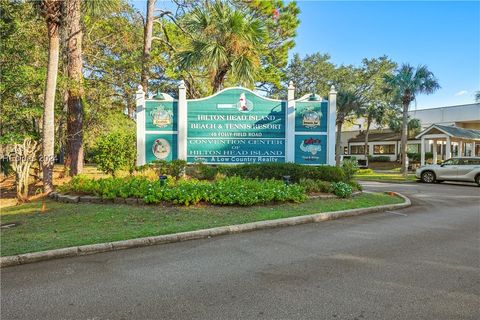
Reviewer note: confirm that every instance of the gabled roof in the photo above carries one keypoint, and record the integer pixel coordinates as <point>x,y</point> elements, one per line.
<point>452,131</point>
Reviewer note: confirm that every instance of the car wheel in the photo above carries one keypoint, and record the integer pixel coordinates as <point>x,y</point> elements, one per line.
<point>477,179</point>
<point>428,177</point>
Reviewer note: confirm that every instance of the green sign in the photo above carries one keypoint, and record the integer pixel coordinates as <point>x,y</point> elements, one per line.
<point>160,147</point>
<point>311,149</point>
<point>236,126</point>
<point>233,126</point>
<point>311,116</point>
<point>161,115</point>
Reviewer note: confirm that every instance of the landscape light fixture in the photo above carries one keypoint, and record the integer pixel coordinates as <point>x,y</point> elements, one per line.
<point>286,180</point>
<point>158,96</point>
<point>163,179</point>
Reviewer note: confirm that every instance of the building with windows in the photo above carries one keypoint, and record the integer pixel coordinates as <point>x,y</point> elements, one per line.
<point>458,125</point>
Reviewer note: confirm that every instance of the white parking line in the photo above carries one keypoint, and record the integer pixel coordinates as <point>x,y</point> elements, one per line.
<point>398,213</point>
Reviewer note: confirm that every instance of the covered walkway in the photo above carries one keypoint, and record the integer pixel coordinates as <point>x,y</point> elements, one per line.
<point>449,141</point>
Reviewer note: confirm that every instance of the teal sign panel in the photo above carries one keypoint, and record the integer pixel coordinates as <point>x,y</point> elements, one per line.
<point>160,115</point>
<point>311,149</point>
<point>311,116</point>
<point>236,126</point>
<point>160,147</point>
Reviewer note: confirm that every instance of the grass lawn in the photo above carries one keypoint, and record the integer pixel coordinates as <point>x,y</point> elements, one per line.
<point>66,225</point>
<point>382,176</point>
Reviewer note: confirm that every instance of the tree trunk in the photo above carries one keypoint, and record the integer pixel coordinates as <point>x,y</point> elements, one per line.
<point>48,130</point>
<point>403,148</point>
<point>367,132</point>
<point>147,44</point>
<point>219,79</point>
<point>75,90</point>
<point>338,140</point>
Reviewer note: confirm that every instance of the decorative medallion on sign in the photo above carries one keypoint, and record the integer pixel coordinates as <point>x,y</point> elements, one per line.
<point>311,119</point>
<point>311,145</point>
<point>161,117</point>
<point>161,149</point>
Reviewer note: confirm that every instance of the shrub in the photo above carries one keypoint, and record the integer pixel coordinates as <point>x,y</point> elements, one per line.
<point>311,185</point>
<point>355,185</point>
<point>415,156</point>
<point>201,171</point>
<point>174,168</point>
<point>341,189</point>
<point>115,151</point>
<point>349,167</point>
<point>266,171</point>
<point>379,159</point>
<point>227,191</point>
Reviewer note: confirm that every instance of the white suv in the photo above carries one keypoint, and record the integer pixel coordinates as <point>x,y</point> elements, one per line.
<point>455,169</point>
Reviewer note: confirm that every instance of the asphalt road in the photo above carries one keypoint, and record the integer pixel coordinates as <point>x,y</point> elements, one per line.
<point>422,262</point>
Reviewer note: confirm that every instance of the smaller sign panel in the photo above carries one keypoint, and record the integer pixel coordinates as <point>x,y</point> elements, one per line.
<point>311,116</point>
<point>160,147</point>
<point>161,115</point>
<point>311,149</point>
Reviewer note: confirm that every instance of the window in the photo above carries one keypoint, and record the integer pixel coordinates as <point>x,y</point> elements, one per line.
<point>451,162</point>
<point>413,148</point>
<point>471,162</point>
<point>358,149</point>
<point>384,149</point>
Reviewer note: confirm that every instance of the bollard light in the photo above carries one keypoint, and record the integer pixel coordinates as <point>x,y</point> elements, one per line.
<point>163,179</point>
<point>286,180</point>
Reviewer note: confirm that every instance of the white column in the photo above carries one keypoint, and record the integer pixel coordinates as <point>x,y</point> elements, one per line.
<point>290,129</point>
<point>332,117</point>
<point>422,152</point>
<point>448,148</point>
<point>460,148</point>
<point>434,151</point>
<point>182,125</point>
<point>140,118</point>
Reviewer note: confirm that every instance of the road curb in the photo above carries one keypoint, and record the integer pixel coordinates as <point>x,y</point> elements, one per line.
<point>192,235</point>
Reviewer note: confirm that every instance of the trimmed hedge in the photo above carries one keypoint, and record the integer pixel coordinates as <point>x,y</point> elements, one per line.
<point>266,171</point>
<point>227,191</point>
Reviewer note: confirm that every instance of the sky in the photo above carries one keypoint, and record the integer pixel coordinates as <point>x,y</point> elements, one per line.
<point>444,35</point>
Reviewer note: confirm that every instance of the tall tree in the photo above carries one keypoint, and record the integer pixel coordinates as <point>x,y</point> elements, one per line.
<point>406,83</point>
<point>75,11</point>
<point>23,68</point>
<point>224,41</point>
<point>147,44</point>
<point>74,32</point>
<point>378,105</point>
<point>314,72</point>
<point>51,10</point>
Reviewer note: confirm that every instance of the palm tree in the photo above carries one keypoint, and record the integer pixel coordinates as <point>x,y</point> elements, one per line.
<point>406,83</point>
<point>51,10</point>
<point>348,103</point>
<point>374,112</point>
<point>224,42</point>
